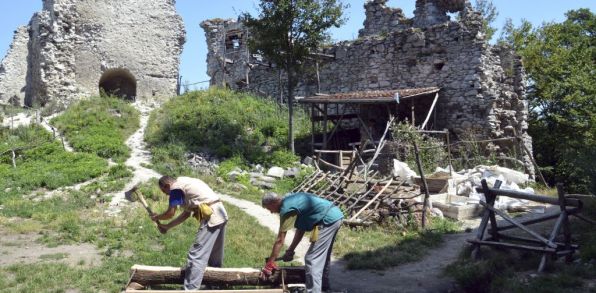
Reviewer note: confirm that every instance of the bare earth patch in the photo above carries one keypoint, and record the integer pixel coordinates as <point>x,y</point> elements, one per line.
<point>24,249</point>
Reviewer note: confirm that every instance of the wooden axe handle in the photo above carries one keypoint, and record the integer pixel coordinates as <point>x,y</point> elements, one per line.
<point>144,203</point>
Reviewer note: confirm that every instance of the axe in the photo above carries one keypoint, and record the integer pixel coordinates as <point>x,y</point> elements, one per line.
<point>134,194</point>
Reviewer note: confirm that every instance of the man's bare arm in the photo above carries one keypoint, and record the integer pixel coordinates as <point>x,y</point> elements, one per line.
<point>168,214</point>
<point>297,238</point>
<point>279,243</point>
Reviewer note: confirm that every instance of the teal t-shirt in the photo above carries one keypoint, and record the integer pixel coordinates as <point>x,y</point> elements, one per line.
<point>310,210</point>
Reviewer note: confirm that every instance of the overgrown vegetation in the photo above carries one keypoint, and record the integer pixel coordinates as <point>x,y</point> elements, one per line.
<point>231,125</point>
<point>432,150</point>
<point>99,125</point>
<point>41,162</point>
<point>559,59</point>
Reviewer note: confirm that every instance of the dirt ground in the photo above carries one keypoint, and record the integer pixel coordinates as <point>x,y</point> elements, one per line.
<point>24,249</point>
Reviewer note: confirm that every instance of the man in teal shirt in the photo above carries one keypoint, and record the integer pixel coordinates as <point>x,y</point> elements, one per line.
<point>305,212</point>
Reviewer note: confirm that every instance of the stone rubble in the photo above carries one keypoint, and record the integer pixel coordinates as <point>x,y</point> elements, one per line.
<point>202,162</point>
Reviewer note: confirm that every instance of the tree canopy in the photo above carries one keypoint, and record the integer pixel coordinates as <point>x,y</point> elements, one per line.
<point>560,61</point>
<point>287,32</point>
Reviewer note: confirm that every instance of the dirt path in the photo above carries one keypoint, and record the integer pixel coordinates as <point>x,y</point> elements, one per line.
<point>425,275</point>
<point>25,119</point>
<point>139,156</point>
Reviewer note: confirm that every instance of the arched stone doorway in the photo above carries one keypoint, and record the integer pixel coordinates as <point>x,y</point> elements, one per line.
<point>119,82</point>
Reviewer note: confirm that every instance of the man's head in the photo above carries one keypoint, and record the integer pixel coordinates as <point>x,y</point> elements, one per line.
<point>165,182</point>
<point>271,201</point>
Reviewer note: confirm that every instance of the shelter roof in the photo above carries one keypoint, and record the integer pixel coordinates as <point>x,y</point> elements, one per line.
<point>370,97</point>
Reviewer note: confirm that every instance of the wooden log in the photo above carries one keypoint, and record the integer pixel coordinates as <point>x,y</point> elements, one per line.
<point>512,245</point>
<point>154,275</point>
<point>130,290</point>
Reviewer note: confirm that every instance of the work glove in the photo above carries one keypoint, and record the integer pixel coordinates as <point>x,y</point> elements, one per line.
<point>288,256</point>
<point>266,272</point>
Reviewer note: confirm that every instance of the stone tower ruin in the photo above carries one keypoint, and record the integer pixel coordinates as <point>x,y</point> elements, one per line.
<point>76,48</point>
<point>482,87</point>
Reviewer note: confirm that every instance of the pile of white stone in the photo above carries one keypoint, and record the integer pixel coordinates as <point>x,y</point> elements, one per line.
<point>202,162</point>
<point>261,177</point>
<point>465,182</point>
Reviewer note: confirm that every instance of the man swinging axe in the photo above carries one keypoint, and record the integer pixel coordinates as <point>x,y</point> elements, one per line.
<point>305,212</point>
<point>197,199</point>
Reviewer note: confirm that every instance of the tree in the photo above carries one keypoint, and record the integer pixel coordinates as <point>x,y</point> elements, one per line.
<point>489,14</point>
<point>560,59</point>
<point>287,32</point>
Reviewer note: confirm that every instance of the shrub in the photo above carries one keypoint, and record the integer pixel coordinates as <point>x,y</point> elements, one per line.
<point>99,125</point>
<point>432,150</point>
<point>224,123</point>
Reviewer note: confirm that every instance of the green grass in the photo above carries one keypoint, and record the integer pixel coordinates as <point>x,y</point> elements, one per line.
<point>382,247</point>
<point>78,218</point>
<point>46,165</point>
<point>223,123</point>
<point>99,125</point>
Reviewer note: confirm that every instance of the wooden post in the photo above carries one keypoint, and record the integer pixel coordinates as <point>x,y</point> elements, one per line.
<point>485,217</point>
<point>281,91</point>
<point>14,162</point>
<point>566,230</point>
<point>430,111</point>
<point>449,152</point>
<point>324,146</point>
<point>426,193</point>
<point>312,127</point>
<point>318,77</point>
<point>413,112</point>
<point>532,160</point>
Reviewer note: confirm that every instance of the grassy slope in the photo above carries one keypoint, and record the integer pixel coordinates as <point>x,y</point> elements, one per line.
<point>46,165</point>
<point>99,125</point>
<point>224,123</point>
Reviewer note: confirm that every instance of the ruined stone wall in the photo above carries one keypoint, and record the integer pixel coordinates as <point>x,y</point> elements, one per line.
<point>482,87</point>
<point>13,70</point>
<point>381,19</point>
<point>145,41</point>
<point>75,44</point>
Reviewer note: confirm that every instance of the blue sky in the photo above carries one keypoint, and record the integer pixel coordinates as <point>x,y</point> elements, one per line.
<point>193,66</point>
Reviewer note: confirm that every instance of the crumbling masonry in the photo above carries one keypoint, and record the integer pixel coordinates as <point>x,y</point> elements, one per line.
<point>482,86</point>
<point>72,48</point>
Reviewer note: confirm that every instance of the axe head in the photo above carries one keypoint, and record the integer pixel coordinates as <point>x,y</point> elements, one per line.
<point>130,194</point>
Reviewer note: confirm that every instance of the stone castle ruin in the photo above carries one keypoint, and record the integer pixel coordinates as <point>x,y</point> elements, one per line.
<point>76,48</point>
<point>481,87</point>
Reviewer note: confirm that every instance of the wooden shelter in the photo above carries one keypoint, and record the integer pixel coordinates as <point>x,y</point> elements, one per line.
<point>368,111</point>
